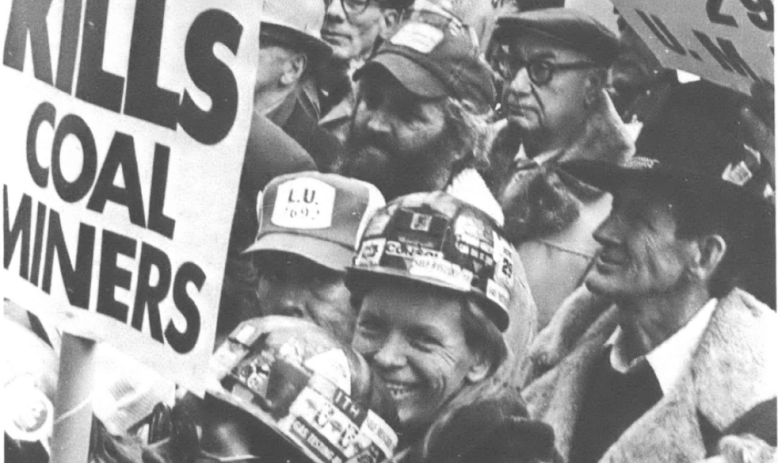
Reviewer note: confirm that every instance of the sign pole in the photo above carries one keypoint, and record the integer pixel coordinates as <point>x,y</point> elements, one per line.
<point>73,407</point>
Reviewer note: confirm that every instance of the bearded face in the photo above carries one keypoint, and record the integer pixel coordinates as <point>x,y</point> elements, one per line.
<point>398,141</point>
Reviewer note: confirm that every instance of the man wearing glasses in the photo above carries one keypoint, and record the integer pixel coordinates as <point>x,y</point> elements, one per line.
<point>353,29</point>
<point>554,65</point>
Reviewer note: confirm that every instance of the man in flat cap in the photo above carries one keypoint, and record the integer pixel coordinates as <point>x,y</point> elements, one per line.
<point>554,64</point>
<point>682,367</point>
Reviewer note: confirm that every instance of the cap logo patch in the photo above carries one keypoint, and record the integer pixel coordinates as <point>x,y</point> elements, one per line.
<point>740,174</point>
<point>420,37</point>
<point>304,203</point>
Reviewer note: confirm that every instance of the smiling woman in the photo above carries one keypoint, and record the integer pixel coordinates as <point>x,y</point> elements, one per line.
<point>433,280</point>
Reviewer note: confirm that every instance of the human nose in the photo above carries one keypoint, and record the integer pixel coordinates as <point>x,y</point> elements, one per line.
<point>391,353</point>
<point>335,11</point>
<point>608,231</point>
<point>521,83</point>
<point>378,121</point>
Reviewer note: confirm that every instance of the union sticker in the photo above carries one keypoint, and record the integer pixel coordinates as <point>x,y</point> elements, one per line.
<point>332,365</point>
<point>418,36</point>
<point>441,270</point>
<point>421,222</point>
<point>370,252</point>
<point>304,203</point>
<point>497,293</point>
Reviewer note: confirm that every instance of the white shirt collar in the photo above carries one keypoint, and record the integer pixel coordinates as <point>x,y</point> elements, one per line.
<point>670,359</point>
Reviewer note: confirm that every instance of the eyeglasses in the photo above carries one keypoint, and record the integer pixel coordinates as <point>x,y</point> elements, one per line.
<point>540,71</point>
<point>354,7</point>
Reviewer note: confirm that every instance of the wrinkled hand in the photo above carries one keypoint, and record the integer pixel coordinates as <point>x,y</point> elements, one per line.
<point>758,118</point>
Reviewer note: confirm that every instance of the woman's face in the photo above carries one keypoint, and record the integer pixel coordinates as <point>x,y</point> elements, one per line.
<point>413,338</point>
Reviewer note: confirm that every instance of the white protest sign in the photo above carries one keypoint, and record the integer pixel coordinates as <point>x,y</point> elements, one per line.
<point>729,42</point>
<point>124,129</point>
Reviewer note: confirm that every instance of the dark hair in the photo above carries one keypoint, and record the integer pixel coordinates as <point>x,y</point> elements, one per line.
<point>749,260</point>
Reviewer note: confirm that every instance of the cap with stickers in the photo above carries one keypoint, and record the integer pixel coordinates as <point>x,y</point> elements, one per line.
<point>434,54</point>
<point>440,240</point>
<point>317,216</point>
<point>316,393</point>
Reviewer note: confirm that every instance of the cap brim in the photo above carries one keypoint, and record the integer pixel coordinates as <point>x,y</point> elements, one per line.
<point>326,253</point>
<point>411,75</point>
<point>610,177</point>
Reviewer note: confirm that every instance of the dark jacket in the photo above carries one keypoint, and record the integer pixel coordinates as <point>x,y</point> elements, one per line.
<point>496,430</point>
<point>324,147</point>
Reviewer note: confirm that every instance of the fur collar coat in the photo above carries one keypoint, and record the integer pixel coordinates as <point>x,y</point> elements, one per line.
<point>733,370</point>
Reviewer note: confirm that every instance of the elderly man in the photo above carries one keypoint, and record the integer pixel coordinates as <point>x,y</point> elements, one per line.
<point>353,29</point>
<point>683,366</point>
<point>309,225</point>
<point>554,65</point>
<point>290,47</point>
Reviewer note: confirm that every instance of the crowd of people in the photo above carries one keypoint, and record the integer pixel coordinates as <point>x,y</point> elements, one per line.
<point>471,232</point>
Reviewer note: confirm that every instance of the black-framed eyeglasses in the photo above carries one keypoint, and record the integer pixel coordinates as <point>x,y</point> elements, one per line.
<point>540,70</point>
<point>354,8</point>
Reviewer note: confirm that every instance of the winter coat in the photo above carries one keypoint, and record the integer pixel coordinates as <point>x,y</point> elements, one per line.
<point>731,375</point>
<point>558,248</point>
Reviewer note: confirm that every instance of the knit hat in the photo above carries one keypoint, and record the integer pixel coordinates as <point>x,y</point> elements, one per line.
<point>317,216</point>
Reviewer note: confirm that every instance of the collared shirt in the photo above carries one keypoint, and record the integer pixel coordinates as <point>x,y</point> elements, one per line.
<point>671,358</point>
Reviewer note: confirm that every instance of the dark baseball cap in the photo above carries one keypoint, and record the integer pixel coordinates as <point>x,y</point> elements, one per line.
<point>434,54</point>
<point>568,27</point>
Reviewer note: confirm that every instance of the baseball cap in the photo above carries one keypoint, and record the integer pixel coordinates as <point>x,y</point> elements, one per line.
<point>571,28</point>
<point>308,389</point>
<point>317,216</point>
<point>437,239</point>
<point>434,54</point>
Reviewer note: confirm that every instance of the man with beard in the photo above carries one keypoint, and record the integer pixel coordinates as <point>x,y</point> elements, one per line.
<point>353,28</point>
<point>420,115</point>
<point>554,63</point>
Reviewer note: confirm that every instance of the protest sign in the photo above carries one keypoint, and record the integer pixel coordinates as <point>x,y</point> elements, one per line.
<point>124,129</point>
<point>729,42</point>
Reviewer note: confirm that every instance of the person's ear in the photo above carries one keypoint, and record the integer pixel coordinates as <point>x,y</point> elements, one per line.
<point>479,369</point>
<point>389,20</point>
<point>293,69</point>
<point>710,251</point>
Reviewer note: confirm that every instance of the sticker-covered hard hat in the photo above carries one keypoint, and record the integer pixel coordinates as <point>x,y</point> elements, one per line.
<point>440,240</point>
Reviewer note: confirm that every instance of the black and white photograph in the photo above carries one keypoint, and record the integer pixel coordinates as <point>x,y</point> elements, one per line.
<point>388,231</point>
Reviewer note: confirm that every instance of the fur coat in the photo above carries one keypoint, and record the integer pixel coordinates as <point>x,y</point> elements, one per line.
<point>549,215</point>
<point>732,371</point>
